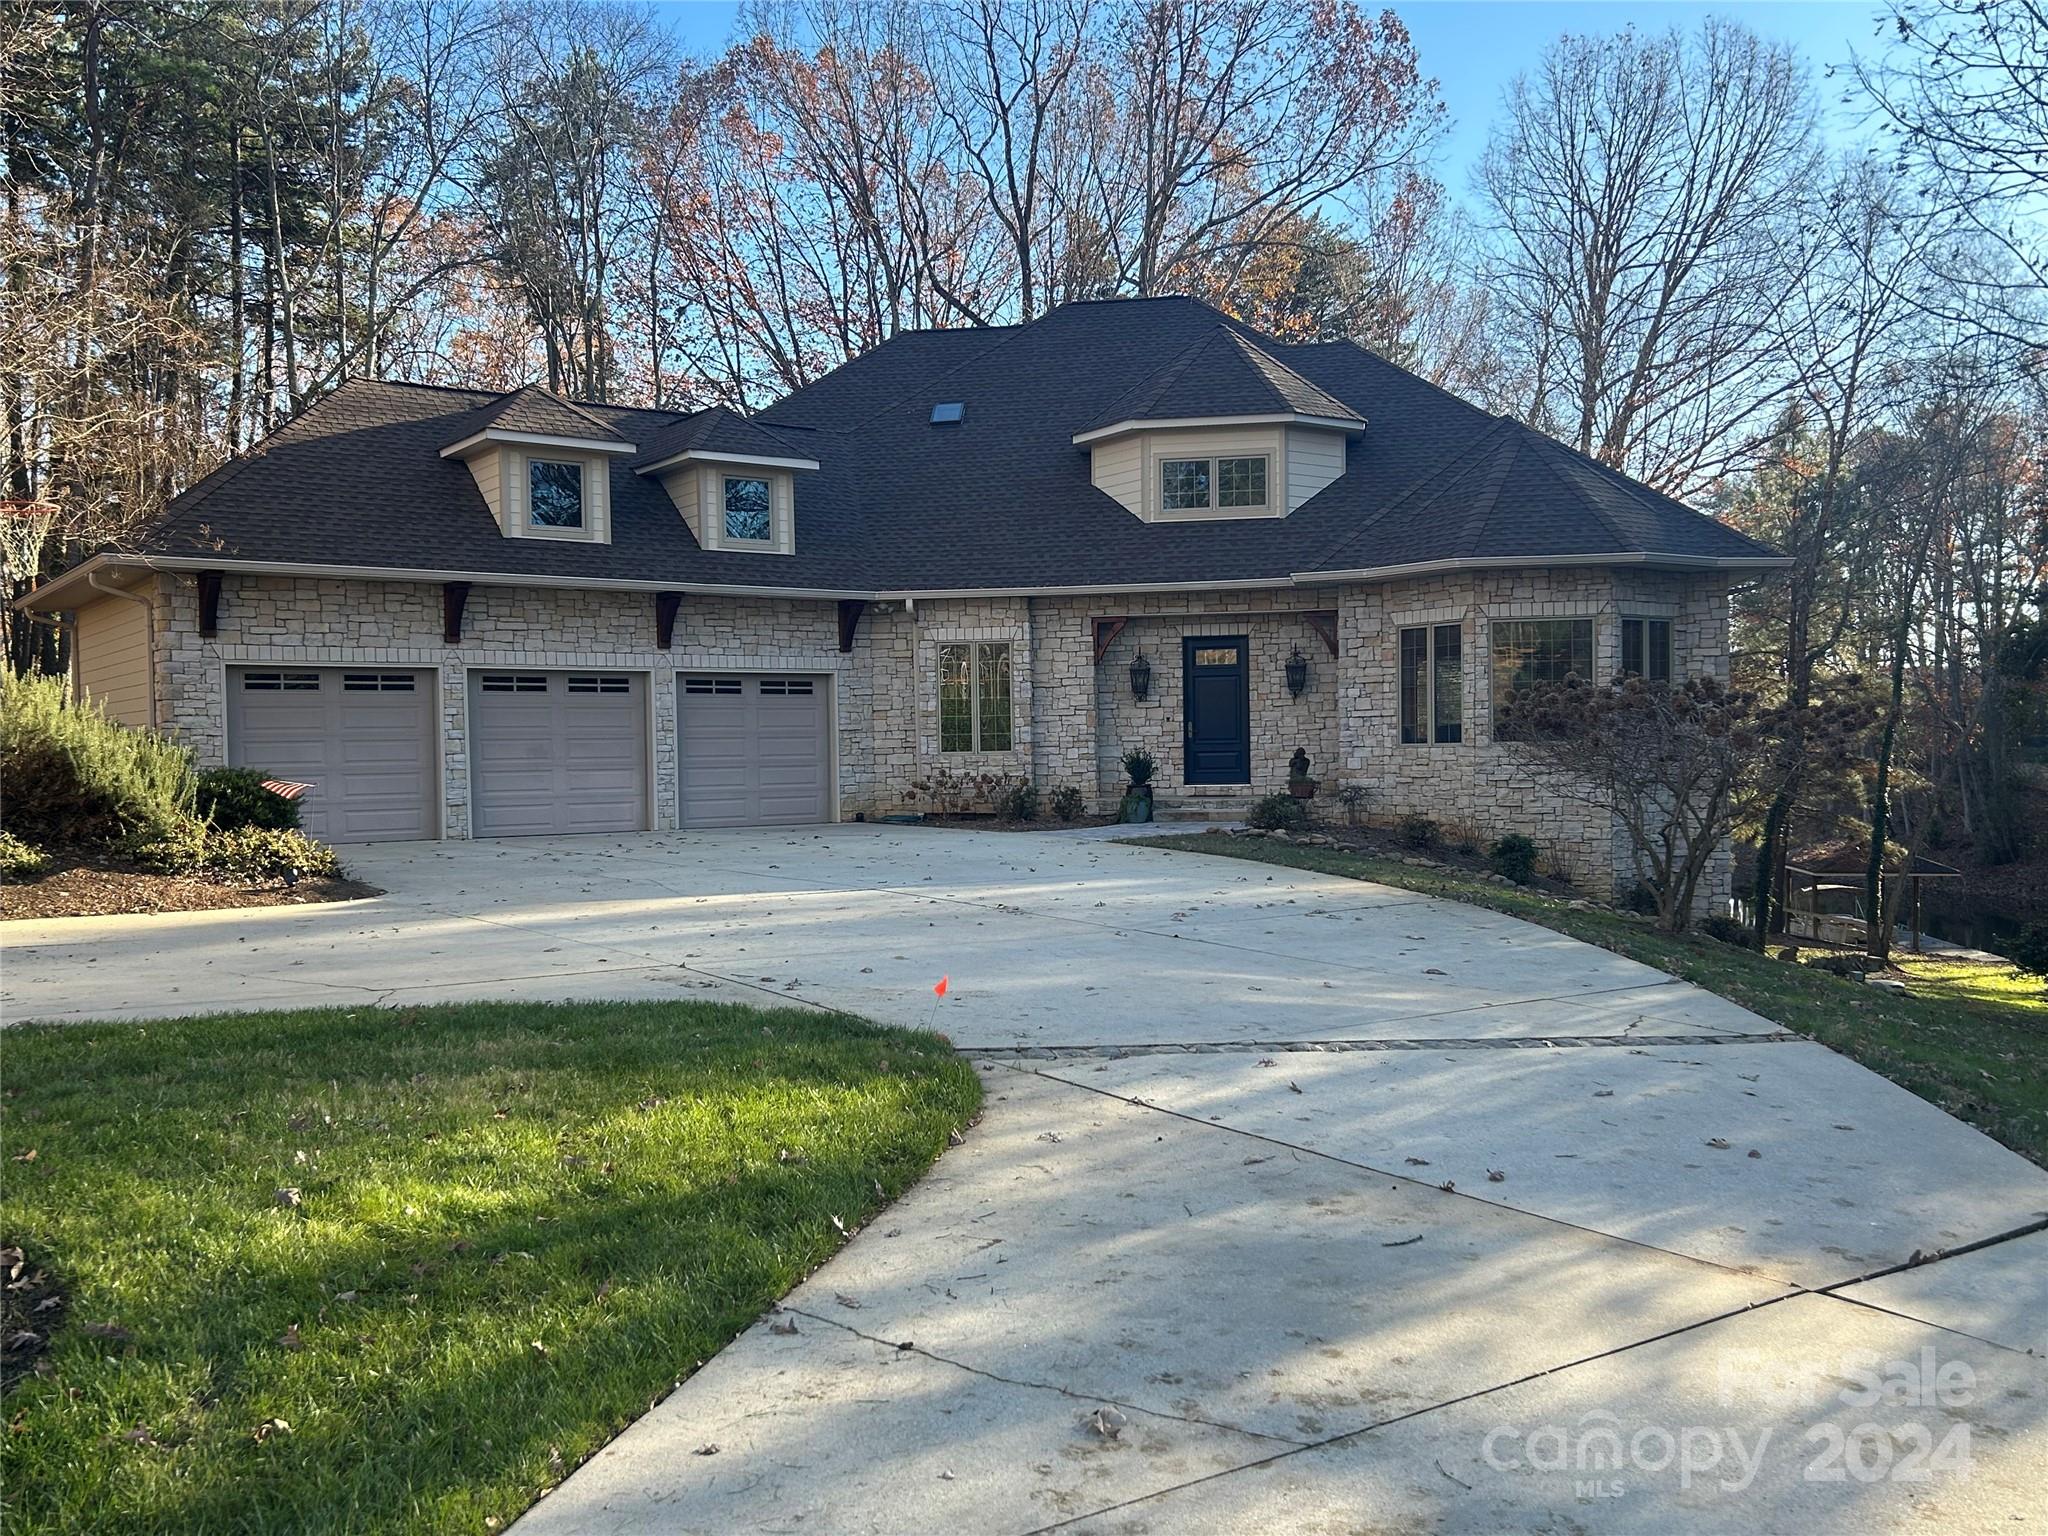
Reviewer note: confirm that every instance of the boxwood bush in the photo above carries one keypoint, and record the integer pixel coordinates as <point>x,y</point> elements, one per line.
<point>232,798</point>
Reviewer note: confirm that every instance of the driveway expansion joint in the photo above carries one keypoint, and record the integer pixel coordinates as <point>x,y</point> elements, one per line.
<point>910,1347</point>
<point>1455,1043</point>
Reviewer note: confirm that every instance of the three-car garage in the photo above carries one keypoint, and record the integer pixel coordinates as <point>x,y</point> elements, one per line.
<point>547,751</point>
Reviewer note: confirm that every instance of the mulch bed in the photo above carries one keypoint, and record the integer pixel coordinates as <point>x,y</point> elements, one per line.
<point>1374,843</point>
<point>87,889</point>
<point>995,824</point>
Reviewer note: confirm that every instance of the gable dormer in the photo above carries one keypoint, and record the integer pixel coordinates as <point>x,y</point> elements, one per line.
<point>1224,431</point>
<point>542,465</point>
<point>732,481</point>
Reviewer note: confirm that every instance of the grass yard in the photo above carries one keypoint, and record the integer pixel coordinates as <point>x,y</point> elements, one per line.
<point>1970,1038</point>
<point>363,1270</point>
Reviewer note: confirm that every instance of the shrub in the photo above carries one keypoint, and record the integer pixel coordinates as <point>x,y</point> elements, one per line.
<point>1727,930</point>
<point>1067,802</point>
<point>172,849</point>
<point>256,853</point>
<point>1018,802</point>
<point>1278,813</point>
<point>1353,798</point>
<point>18,861</point>
<point>2030,950</point>
<point>231,798</point>
<point>1140,765</point>
<point>1418,832</point>
<point>74,778</point>
<point>1514,856</point>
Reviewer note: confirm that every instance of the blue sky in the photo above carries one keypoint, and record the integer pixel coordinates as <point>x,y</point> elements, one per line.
<point>1475,47</point>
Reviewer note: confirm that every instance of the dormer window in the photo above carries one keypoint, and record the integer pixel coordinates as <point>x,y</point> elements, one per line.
<point>1236,484</point>
<point>554,493</point>
<point>748,518</point>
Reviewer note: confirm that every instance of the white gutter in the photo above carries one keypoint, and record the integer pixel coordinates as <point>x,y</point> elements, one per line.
<point>492,435</point>
<point>1103,589</point>
<point>1521,562</point>
<point>40,596</point>
<point>711,456</point>
<point>1263,418</point>
<point>149,632</point>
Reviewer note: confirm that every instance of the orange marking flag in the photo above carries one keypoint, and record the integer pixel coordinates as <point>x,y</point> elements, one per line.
<point>940,989</point>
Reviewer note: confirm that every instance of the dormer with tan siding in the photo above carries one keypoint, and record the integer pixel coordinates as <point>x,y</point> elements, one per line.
<point>542,465</point>
<point>1225,431</point>
<point>732,482</point>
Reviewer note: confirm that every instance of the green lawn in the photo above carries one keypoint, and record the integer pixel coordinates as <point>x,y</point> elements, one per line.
<point>516,1227</point>
<point>1972,1039</point>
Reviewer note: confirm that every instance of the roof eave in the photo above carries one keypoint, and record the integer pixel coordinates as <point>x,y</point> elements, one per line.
<point>45,598</point>
<point>1259,418</point>
<point>713,456</point>
<point>491,436</point>
<point>1497,562</point>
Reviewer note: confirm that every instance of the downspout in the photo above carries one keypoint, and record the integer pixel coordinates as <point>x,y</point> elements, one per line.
<point>92,579</point>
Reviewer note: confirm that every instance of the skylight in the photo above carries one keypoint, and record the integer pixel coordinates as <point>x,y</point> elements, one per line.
<point>948,413</point>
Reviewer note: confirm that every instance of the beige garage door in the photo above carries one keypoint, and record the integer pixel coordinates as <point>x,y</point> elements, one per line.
<point>363,739</point>
<point>754,751</point>
<point>557,752</point>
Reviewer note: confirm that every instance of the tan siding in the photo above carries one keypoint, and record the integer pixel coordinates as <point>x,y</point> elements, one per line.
<point>113,659</point>
<point>1118,470</point>
<point>488,471</point>
<point>1314,459</point>
<point>683,489</point>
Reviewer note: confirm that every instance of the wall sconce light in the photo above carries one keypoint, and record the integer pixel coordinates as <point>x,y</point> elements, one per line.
<point>1297,672</point>
<point>1141,677</point>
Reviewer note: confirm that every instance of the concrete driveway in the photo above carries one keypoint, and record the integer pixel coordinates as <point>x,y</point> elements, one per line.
<point>1234,1201</point>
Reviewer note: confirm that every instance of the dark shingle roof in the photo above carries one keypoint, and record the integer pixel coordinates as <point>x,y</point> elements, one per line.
<point>1223,373</point>
<point>1001,500</point>
<point>718,430</point>
<point>532,409</point>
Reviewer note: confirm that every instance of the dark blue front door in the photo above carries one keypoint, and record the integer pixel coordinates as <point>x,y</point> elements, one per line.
<point>1216,699</point>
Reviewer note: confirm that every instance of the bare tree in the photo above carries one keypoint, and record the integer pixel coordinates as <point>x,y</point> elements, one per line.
<point>1966,91</point>
<point>1237,116</point>
<point>1644,190</point>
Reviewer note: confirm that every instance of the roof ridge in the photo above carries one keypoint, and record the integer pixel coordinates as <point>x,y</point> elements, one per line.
<point>1256,353</point>
<point>1487,501</point>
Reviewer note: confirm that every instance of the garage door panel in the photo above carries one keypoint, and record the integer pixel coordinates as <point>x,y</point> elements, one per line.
<point>558,752</point>
<point>753,751</point>
<point>363,741</point>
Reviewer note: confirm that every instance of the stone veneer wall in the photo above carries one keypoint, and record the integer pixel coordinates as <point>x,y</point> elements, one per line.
<point>309,621</point>
<point>1072,719</point>
<point>1477,785</point>
<point>1087,719</point>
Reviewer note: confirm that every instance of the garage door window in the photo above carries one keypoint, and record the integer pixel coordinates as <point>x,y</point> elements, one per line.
<point>377,682</point>
<point>507,682</point>
<point>281,682</point>
<point>708,686</point>
<point>580,683</point>
<point>786,688</point>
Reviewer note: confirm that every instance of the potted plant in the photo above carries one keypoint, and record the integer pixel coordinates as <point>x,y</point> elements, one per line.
<point>1139,765</point>
<point>1299,784</point>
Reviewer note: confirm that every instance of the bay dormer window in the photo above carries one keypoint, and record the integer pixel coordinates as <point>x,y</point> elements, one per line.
<point>542,465</point>
<point>1233,484</point>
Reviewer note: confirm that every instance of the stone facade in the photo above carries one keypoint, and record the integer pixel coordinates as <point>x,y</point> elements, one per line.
<point>1072,717</point>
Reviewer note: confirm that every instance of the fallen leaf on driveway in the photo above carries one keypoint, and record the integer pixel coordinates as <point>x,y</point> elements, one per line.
<point>1404,1242</point>
<point>1603,1093</point>
<point>706,1449</point>
<point>1293,1087</point>
<point>1430,970</point>
<point>845,1300</point>
<point>1416,1162</point>
<point>1754,1153</point>
<point>783,1325</point>
<point>1448,1187</point>
<point>1495,1176</point>
<point>1265,1061</point>
<point>1718,1143</point>
<point>1106,1422</point>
